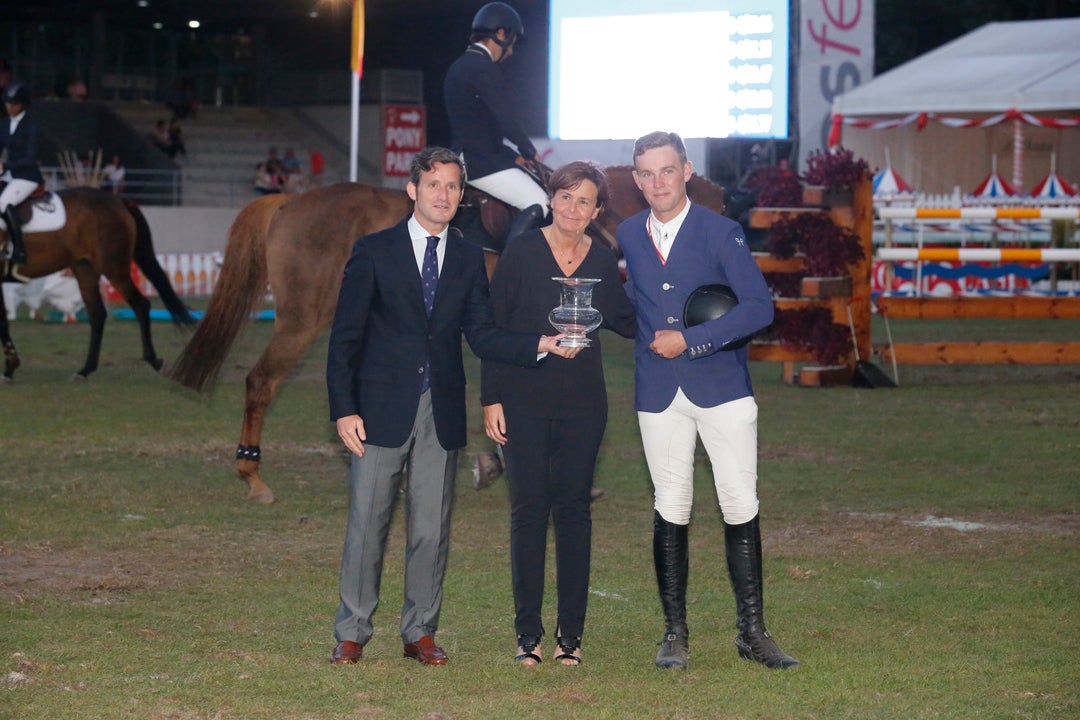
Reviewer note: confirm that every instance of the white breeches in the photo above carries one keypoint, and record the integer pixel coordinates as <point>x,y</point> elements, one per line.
<point>514,187</point>
<point>16,191</point>
<point>729,435</point>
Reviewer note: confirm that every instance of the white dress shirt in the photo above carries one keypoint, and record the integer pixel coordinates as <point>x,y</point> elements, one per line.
<point>663,234</point>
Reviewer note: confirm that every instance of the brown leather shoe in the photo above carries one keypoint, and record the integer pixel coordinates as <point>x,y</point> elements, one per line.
<point>426,651</point>
<point>347,652</point>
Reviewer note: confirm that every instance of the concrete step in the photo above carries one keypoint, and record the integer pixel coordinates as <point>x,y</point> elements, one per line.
<point>225,144</point>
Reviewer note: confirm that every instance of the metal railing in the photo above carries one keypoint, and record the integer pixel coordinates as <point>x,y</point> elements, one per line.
<point>147,187</point>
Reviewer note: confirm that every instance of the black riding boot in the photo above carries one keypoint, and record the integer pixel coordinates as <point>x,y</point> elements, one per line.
<point>14,230</point>
<point>743,544</point>
<point>672,557</point>
<point>471,225</point>
<point>527,219</point>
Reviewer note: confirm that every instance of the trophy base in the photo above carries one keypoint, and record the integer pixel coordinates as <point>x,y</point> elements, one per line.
<point>581,342</point>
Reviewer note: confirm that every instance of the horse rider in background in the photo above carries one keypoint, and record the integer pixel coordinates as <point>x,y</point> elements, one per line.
<point>482,114</point>
<point>19,136</point>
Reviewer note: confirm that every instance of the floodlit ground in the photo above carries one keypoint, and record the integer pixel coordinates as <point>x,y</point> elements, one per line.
<point>921,554</point>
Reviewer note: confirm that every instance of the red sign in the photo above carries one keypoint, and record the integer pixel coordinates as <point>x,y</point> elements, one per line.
<point>404,135</point>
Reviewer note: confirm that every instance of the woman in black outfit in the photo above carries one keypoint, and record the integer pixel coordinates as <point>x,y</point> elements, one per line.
<point>550,419</point>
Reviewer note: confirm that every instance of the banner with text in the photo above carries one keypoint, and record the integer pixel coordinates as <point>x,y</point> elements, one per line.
<point>836,54</point>
<point>404,135</point>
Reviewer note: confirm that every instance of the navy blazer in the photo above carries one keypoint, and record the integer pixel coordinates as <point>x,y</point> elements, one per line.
<point>22,148</point>
<point>381,337</point>
<point>708,249</point>
<point>482,113</point>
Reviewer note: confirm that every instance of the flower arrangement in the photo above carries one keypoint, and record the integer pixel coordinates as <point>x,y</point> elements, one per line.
<point>836,170</point>
<point>813,328</point>
<point>776,187</point>
<point>829,249</point>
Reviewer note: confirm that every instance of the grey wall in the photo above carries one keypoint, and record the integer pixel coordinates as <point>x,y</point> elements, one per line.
<point>189,229</point>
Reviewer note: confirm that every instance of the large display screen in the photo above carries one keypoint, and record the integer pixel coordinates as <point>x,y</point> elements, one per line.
<point>701,68</point>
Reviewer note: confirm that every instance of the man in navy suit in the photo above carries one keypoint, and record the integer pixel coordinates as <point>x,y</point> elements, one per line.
<point>481,112</point>
<point>396,383</point>
<point>19,136</point>
<point>689,383</point>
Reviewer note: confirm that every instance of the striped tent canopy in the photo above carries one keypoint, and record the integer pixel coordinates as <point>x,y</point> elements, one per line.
<point>994,186</point>
<point>889,182</point>
<point>1053,186</point>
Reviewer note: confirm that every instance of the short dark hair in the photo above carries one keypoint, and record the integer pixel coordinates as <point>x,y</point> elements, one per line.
<point>425,160</point>
<point>570,175</point>
<point>660,139</point>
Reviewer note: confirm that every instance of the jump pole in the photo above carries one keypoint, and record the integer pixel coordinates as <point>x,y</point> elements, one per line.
<point>980,213</point>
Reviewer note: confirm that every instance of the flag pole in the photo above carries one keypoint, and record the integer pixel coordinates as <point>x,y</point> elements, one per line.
<point>357,72</point>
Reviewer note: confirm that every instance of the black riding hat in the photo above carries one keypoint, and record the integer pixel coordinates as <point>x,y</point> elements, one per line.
<point>497,15</point>
<point>709,302</point>
<point>16,92</point>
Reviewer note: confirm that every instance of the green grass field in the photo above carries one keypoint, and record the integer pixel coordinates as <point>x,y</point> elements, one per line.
<point>921,554</point>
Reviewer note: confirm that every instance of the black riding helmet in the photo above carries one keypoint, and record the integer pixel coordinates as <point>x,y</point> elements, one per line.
<point>497,15</point>
<point>16,93</point>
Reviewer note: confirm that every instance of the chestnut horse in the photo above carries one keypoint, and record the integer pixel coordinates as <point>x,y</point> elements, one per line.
<point>299,244</point>
<point>102,236</point>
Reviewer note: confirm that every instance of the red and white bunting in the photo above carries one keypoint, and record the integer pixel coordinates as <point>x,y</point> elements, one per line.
<point>922,118</point>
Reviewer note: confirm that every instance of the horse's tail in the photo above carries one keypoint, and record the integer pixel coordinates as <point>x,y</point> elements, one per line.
<point>146,259</point>
<point>240,285</point>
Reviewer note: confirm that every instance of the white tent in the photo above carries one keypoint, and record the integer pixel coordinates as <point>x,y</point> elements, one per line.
<point>1007,89</point>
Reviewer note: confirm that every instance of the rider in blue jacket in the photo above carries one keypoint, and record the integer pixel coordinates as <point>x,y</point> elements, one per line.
<point>19,136</point>
<point>482,114</point>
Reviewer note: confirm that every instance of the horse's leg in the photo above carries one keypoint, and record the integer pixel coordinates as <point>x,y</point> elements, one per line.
<point>11,356</point>
<point>141,307</point>
<point>287,345</point>
<point>90,290</point>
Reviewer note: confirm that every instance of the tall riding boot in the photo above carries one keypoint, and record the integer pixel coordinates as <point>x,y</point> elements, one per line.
<point>471,225</point>
<point>744,565</point>
<point>527,219</point>
<point>14,231</point>
<point>672,557</point>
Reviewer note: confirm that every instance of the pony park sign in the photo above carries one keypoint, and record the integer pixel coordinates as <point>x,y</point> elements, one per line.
<point>404,135</point>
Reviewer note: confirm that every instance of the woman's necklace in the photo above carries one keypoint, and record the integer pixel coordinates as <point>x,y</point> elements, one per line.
<point>573,251</point>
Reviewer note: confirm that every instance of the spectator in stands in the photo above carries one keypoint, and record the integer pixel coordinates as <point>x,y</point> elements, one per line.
<point>265,182</point>
<point>113,175</point>
<point>293,178</point>
<point>273,160</point>
<point>290,162</point>
<point>161,140</point>
<point>176,139</point>
<point>275,168</point>
<point>318,166</point>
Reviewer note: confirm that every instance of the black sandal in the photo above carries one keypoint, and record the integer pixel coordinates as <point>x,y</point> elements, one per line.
<point>528,644</point>
<point>567,647</point>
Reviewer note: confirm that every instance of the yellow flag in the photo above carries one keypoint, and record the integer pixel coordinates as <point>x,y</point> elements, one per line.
<point>358,38</point>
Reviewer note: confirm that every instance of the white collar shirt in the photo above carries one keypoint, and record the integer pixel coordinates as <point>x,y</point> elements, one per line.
<point>14,122</point>
<point>419,237</point>
<point>484,47</point>
<point>663,234</point>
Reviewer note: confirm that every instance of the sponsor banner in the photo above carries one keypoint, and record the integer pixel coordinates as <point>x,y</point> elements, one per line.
<point>836,54</point>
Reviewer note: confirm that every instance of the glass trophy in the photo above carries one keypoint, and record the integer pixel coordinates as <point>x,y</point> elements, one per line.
<point>575,316</point>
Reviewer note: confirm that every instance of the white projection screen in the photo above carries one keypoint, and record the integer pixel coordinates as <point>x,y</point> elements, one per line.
<point>703,68</point>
